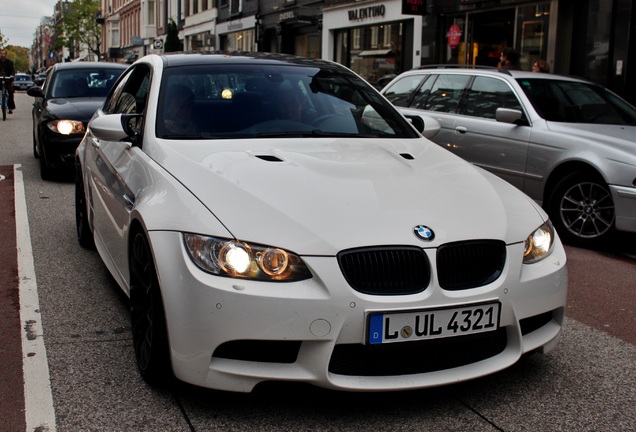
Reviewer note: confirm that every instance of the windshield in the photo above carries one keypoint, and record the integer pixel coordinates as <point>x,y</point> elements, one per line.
<point>250,101</point>
<point>576,102</point>
<point>73,83</point>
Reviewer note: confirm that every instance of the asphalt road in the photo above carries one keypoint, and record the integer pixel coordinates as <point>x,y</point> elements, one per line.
<point>586,384</point>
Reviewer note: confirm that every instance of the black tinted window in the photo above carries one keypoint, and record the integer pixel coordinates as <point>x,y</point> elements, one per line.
<point>574,102</point>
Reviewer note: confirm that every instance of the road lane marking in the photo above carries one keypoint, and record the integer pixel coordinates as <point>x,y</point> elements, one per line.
<point>38,397</point>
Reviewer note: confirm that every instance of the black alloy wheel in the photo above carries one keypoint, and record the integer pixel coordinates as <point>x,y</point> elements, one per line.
<point>582,210</point>
<point>149,330</point>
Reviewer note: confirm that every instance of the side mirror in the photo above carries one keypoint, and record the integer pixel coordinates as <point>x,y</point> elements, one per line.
<point>507,115</point>
<point>426,125</point>
<point>35,92</point>
<point>417,122</point>
<point>116,127</point>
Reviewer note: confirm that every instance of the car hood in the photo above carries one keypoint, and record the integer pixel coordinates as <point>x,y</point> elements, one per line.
<point>325,195</point>
<point>620,137</point>
<point>81,109</point>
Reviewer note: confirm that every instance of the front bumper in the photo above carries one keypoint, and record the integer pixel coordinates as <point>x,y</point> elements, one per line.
<point>60,149</point>
<point>232,334</point>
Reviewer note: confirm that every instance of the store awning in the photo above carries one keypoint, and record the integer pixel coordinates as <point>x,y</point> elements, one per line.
<point>368,53</point>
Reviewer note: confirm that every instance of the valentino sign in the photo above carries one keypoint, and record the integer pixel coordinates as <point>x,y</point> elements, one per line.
<point>367,12</point>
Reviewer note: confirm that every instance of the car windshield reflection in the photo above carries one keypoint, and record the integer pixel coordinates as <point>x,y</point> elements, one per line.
<point>273,101</point>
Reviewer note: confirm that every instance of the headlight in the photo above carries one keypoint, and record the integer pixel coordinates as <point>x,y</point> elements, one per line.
<point>236,259</point>
<point>66,127</point>
<point>538,245</point>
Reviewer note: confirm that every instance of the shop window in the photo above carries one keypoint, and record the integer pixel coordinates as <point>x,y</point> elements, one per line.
<point>356,38</point>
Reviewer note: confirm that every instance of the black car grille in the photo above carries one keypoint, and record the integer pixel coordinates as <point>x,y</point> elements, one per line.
<point>386,270</point>
<point>407,358</point>
<point>470,264</point>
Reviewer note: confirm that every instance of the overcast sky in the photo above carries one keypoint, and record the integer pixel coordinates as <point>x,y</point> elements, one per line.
<point>20,18</point>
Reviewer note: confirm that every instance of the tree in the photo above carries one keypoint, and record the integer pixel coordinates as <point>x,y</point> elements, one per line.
<point>2,40</point>
<point>79,26</point>
<point>19,56</point>
<point>172,38</point>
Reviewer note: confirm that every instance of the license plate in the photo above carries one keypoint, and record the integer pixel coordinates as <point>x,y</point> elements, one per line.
<point>393,327</point>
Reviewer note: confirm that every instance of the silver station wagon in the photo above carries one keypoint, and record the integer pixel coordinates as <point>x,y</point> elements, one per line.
<point>567,143</point>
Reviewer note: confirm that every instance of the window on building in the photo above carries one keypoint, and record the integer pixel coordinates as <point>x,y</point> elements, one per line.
<point>151,12</point>
<point>114,33</point>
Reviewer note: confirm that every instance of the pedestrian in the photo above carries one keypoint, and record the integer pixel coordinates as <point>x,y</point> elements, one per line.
<point>509,59</point>
<point>7,69</point>
<point>541,66</point>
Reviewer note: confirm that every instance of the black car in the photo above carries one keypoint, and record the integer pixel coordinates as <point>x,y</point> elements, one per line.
<point>71,94</point>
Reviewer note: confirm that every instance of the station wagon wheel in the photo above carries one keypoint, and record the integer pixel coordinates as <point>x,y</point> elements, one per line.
<point>84,233</point>
<point>582,210</point>
<point>150,335</point>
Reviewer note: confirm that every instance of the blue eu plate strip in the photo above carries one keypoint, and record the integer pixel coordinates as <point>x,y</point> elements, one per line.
<point>375,329</point>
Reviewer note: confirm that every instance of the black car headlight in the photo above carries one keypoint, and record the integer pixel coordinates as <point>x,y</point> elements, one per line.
<point>539,244</point>
<point>66,127</point>
<point>237,259</point>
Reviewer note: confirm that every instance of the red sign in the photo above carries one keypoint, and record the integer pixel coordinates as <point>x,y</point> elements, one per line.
<point>454,35</point>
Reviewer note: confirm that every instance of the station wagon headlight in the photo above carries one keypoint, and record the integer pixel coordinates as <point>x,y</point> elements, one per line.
<point>66,127</point>
<point>538,245</point>
<point>236,259</point>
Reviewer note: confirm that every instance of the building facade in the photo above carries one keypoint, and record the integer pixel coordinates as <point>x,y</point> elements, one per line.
<point>594,39</point>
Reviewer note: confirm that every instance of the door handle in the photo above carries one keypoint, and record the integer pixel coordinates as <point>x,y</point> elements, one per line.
<point>461,129</point>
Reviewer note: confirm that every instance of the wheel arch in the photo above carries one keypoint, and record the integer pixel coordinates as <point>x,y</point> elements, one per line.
<point>563,170</point>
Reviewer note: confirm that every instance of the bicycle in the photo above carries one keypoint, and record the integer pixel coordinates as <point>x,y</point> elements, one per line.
<point>5,96</point>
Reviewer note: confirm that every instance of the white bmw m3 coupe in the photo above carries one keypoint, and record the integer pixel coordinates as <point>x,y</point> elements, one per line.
<point>275,218</point>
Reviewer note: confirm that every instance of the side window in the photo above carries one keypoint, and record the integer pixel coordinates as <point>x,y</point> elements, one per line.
<point>419,101</point>
<point>129,97</point>
<point>401,91</point>
<point>486,95</point>
<point>446,93</point>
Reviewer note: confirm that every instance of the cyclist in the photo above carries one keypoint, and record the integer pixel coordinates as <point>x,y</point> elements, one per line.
<point>7,69</point>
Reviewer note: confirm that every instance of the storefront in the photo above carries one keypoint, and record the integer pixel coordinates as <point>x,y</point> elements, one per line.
<point>373,39</point>
<point>237,35</point>
<point>292,30</point>
<point>474,34</point>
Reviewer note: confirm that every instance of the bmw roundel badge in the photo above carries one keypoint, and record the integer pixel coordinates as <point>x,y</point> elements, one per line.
<point>423,232</point>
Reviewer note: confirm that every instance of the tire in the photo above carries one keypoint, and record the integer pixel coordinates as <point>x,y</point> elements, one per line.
<point>35,147</point>
<point>84,233</point>
<point>46,172</point>
<point>582,210</point>
<point>148,322</point>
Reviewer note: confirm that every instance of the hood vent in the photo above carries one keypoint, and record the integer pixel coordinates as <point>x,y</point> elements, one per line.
<point>269,158</point>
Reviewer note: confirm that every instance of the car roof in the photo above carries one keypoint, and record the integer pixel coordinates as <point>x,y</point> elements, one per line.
<point>490,70</point>
<point>224,57</point>
<point>88,65</point>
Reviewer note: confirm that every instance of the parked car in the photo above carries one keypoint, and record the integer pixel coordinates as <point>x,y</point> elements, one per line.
<point>567,143</point>
<point>39,79</point>
<point>63,107</point>
<point>22,81</point>
<point>263,231</point>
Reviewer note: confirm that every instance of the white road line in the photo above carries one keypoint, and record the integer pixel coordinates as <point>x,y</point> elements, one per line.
<point>38,398</point>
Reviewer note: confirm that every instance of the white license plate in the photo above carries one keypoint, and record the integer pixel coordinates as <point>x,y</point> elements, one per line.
<point>433,323</point>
